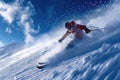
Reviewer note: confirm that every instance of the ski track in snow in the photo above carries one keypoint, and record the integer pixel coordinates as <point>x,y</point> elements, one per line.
<point>98,59</point>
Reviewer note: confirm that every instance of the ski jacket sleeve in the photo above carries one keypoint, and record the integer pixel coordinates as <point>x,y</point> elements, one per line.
<point>81,27</point>
<point>66,34</point>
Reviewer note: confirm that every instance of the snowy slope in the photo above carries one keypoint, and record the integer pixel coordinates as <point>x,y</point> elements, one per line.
<point>96,57</point>
<point>10,49</point>
<point>100,61</point>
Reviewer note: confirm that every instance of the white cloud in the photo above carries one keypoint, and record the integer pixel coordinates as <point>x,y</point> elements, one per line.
<point>7,11</point>
<point>1,44</point>
<point>16,12</point>
<point>8,30</point>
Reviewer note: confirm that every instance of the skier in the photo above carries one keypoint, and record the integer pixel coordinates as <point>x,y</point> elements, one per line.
<point>74,28</point>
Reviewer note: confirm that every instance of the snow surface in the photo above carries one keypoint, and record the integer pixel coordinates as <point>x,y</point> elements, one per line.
<point>96,57</point>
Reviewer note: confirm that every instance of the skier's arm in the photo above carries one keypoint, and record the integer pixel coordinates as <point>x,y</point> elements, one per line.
<point>65,35</point>
<point>83,27</point>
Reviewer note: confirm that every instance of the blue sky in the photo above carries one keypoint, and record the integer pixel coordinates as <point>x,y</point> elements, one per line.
<point>25,20</point>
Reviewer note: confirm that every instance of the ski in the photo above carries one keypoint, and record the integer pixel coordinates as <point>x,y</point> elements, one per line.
<point>41,65</point>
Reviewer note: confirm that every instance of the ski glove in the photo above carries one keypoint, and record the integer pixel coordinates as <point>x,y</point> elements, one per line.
<point>60,40</point>
<point>87,30</point>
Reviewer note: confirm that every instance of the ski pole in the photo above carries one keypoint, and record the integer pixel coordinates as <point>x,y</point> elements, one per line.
<point>101,28</point>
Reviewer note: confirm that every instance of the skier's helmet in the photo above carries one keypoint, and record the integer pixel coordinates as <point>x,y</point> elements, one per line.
<point>68,25</point>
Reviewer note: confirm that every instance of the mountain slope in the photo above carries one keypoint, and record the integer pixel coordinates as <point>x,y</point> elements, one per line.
<point>10,49</point>
<point>99,60</point>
